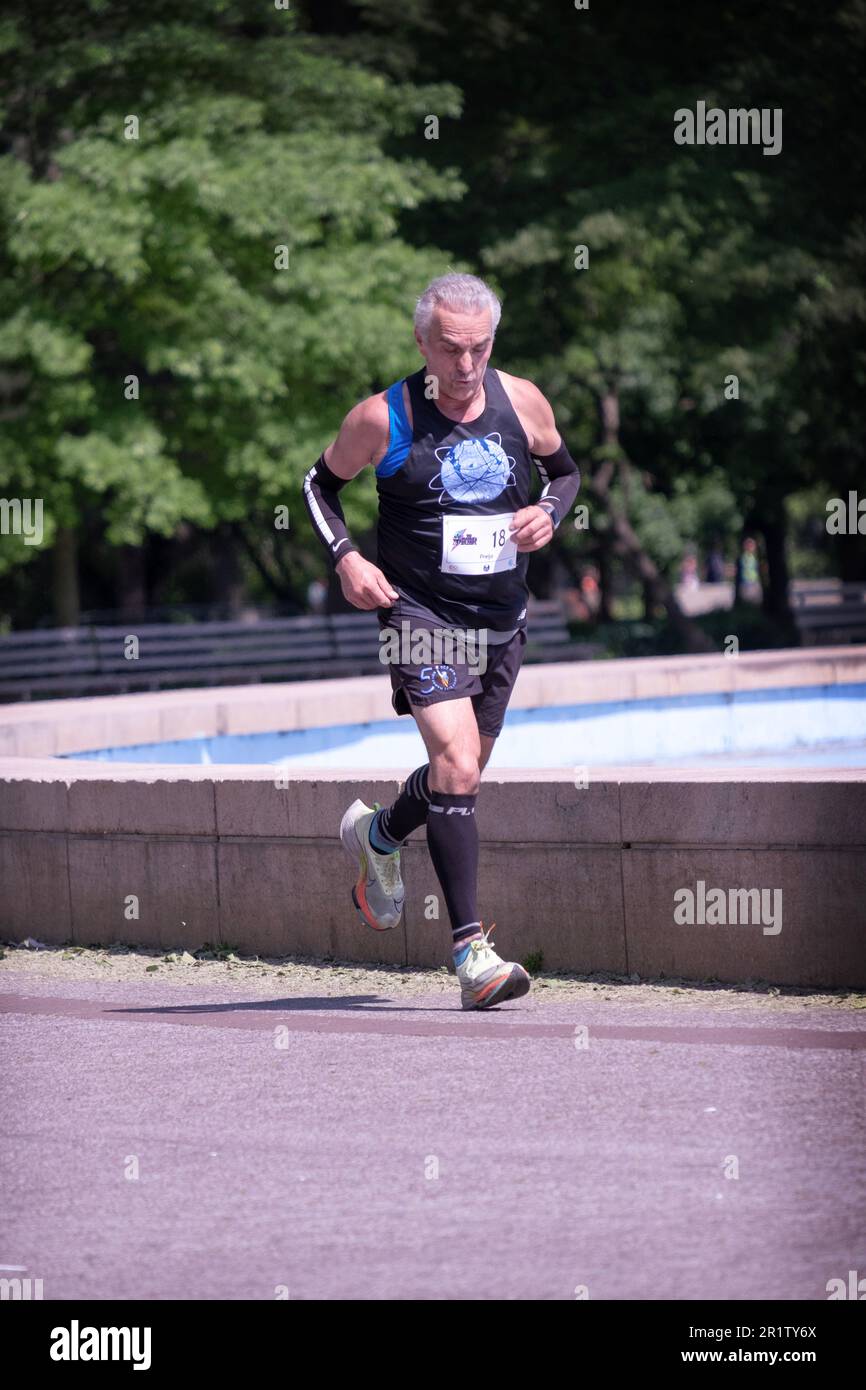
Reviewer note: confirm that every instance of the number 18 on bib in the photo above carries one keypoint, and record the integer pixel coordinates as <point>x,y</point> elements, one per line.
<point>477,544</point>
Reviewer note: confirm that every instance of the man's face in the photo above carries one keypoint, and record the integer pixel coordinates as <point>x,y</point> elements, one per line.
<point>457,350</point>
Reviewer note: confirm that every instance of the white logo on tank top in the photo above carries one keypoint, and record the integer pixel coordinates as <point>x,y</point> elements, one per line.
<point>473,470</point>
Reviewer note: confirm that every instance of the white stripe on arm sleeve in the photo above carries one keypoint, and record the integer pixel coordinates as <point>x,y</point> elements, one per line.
<point>321,487</point>
<point>561,478</point>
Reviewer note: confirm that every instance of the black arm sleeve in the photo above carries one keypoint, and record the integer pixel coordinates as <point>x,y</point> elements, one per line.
<point>323,505</point>
<point>561,478</point>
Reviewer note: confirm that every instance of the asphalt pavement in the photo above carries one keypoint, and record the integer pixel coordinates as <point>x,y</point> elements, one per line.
<point>166,1144</point>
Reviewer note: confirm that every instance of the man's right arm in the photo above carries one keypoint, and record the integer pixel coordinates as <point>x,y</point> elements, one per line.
<point>362,439</point>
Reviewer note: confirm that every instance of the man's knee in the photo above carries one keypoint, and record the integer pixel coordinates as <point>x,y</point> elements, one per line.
<point>457,774</point>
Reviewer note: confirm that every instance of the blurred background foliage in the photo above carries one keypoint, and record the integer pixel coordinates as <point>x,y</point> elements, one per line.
<point>186,316</point>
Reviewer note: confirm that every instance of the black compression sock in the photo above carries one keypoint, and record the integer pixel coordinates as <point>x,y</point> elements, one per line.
<point>397,821</point>
<point>452,838</point>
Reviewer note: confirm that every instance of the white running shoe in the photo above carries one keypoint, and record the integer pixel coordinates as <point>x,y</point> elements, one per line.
<point>378,893</point>
<point>486,979</point>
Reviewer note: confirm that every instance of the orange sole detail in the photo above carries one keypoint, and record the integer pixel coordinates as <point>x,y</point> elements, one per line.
<point>370,921</point>
<point>489,988</point>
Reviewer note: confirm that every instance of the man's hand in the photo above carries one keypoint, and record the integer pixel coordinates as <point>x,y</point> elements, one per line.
<point>531,528</point>
<point>364,585</point>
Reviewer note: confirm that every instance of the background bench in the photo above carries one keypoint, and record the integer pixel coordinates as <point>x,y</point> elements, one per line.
<point>90,660</point>
<point>827,612</point>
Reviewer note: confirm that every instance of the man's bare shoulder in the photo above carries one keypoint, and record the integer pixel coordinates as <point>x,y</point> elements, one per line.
<point>363,436</point>
<point>370,416</point>
<point>532,406</point>
<point>524,392</point>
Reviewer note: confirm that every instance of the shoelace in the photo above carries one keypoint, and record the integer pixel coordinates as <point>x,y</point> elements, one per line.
<point>388,866</point>
<point>389,871</point>
<point>485,944</point>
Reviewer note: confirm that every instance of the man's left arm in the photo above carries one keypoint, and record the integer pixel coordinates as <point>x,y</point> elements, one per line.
<point>559,474</point>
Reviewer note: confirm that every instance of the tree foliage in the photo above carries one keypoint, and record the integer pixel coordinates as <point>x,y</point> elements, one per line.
<point>156,260</point>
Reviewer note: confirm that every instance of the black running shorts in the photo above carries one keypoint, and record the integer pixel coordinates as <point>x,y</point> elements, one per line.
<point>489,690</point>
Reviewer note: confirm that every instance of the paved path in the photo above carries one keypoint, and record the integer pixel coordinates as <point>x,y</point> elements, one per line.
<point>295,1142</point>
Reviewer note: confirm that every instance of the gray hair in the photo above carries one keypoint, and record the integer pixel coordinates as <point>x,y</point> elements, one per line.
<point>465,293</point>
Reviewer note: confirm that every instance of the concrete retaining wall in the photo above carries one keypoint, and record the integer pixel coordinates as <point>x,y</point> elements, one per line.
<point>587,876</point>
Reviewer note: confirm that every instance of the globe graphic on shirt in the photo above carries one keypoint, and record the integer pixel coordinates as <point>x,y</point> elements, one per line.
<point>474,470</point>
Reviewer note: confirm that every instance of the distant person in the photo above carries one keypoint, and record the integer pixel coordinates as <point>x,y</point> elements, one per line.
<point>748,574</point>
<point>582,604</point>
<point>454,467</point>
<point>590,590</point>
<point>689,578</point>
<point>715,566</point>
<point>317,596</point>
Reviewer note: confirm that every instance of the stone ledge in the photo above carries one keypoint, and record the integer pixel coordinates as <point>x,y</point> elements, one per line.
<point>50,727</point>
<point>586,875</point>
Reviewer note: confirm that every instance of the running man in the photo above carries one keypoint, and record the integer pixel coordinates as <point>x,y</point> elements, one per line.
<point>453,447</point>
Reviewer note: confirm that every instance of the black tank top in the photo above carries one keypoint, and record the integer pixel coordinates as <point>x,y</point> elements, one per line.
<point>437,471</point>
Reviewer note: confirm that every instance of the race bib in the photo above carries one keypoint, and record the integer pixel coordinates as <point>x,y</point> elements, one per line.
<point>477,544</point>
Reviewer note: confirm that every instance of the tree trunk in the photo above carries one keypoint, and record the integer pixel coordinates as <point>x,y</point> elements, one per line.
<point>168,554</point>
<point>272,581</point>
<point>228,582</point>
<point>66,594</point>
<point>604,555</point>
<point>131,585</point>
<point>656,587</point>
<point>775,594</point>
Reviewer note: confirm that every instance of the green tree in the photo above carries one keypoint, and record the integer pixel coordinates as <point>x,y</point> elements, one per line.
<point>201,267</point>
<point>704,262</point>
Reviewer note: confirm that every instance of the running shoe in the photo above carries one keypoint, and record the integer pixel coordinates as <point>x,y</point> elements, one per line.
<point>486,979</point>
<point>378,893</point>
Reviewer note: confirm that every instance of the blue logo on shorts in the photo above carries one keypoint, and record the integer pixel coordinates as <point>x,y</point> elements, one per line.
<point>437,678</point>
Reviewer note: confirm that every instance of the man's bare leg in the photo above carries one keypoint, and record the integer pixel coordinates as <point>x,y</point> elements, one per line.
<point>393,824</point>
<point>450,733</point>
<point>458,753</point>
